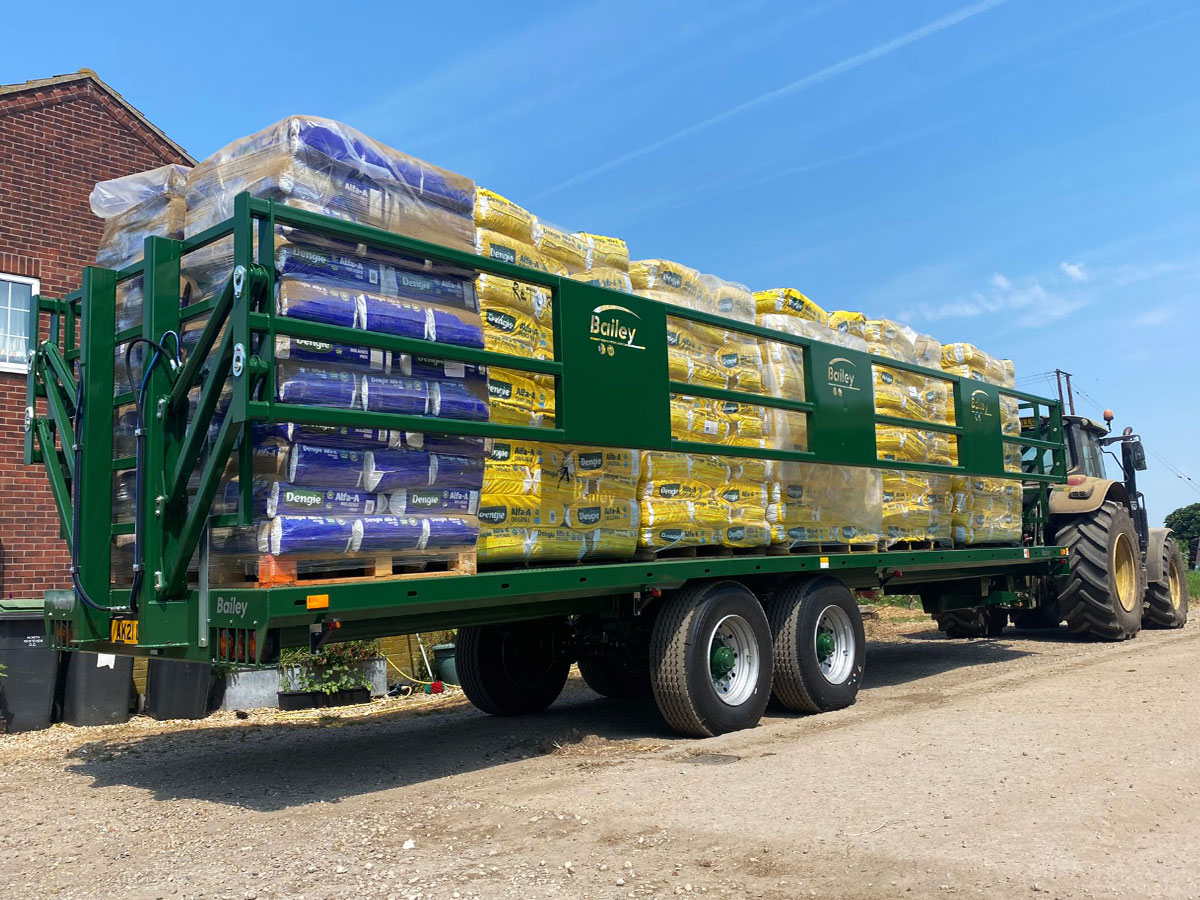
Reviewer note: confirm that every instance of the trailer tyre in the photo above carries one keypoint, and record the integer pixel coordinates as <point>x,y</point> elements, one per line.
<point>710,659</point>
<point>820,645</point>
<point>1102,594</point>
<point>512,669</point>
<point>612,676</point>
<point>1167,600</point>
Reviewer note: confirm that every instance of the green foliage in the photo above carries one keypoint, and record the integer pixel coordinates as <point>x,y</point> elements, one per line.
<point>1193,582</point>
<point>1,670</point>
<point>336,667</point>
<point>1185,522</point>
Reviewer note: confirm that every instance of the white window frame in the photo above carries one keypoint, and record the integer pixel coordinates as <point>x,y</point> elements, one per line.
<point>35,285</point>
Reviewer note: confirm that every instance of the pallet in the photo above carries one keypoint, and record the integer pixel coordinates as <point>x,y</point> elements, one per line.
<point>822,549</point>
<point>910,545</point>
<point>274,571</point>
<point>702,551</point>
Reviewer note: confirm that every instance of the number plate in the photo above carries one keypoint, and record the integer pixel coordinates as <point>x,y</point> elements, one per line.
<point>124,631</point>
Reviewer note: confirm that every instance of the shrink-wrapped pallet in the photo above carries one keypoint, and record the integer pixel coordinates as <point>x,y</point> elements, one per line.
<point>133,208</point>
<point>553,502</point>
<point>988,510</point>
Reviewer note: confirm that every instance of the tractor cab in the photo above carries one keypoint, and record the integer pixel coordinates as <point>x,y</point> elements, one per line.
<point>1084,444</point>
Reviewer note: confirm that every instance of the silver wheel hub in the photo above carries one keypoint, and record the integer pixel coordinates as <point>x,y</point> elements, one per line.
<point>735,663</point>
<point>834,644</point>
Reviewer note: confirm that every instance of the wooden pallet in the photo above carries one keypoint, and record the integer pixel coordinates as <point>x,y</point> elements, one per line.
<point>910,545</point>
<point>823,549</point>
<point>702,551</point>
<point>274,571</point>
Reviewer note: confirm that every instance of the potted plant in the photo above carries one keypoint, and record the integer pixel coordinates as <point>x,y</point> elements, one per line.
<point>336,675</point>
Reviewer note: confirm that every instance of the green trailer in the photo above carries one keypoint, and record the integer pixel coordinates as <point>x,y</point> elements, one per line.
<point>711,636</point>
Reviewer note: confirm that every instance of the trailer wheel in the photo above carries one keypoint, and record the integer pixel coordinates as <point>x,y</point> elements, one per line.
<point>710,659</point>
<point>512,669</point>
<point>1102,594</point>
<point>972,622</point>
<point>1167,600</point>
<point>612,676</point>
<point>820,646</point>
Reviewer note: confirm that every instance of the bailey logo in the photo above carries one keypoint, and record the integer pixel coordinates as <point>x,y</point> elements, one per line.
<point>232,607</point>
<point>841,375</point>
<point>981,405</point>
<point>614,326</point>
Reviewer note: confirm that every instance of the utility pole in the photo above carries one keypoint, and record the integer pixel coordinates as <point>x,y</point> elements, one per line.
<point>1065,377</point>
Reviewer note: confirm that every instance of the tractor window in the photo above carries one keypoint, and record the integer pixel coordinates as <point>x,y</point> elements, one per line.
<point>1086,455</point>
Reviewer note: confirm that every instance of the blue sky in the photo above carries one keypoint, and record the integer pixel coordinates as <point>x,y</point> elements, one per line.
<point>1019,174</point>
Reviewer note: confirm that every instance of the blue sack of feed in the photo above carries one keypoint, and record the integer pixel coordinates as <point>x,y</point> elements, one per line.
<point>379,272</point>
<point>316,386</point>
<point>387,471</point>
<point>459,445</point>
<point>314,302</point>
<point>288,535</point>
<point>430,500</point>
<point>327,435</point>
<point>364,359</point>
<point>428,367</point>
<point>279,499</point>
<point>327,467</point>
<point>382,533</point>
<point>394,533</point>
<point>452,400</point>
<point>408,318</point>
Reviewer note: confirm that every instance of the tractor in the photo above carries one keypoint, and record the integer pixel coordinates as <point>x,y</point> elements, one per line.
<point>1122,574</point>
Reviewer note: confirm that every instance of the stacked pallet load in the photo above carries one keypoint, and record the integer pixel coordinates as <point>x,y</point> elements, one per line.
<point>691,499</point>
<point>542,502</point>
<point>916,505</point>
<point>133,208</point>
<point>334,499</point>
<point>810,505</point>
<point>987,510</point>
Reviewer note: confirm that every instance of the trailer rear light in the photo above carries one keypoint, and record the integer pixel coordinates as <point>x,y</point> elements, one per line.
<point>252,646</point>
<point>1076,479</point>
<point>223,644</point>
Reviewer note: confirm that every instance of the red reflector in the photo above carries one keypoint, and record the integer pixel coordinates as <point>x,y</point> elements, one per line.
<point>253,647</point>
<point>223,644</point>
<point>1076,479</point>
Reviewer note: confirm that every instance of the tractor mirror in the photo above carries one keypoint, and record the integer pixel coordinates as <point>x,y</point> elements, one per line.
<point>1137,455</point>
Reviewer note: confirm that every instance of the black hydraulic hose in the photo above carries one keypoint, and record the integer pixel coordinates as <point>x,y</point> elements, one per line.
<point>138,469</point>
<point>76,510</point>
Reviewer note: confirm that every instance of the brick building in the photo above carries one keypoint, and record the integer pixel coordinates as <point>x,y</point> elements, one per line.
<point>58,137</point>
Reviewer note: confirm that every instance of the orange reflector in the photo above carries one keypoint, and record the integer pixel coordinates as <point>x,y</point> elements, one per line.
<point>317,601</point>
<point>1063,551</point>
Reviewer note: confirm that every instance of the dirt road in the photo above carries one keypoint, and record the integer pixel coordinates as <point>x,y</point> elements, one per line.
<point>1027,766</point>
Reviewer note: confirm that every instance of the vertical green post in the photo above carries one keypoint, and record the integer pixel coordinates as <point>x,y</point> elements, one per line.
<point>93,483</point>
<point>162,516</point>
<point>239,324</point>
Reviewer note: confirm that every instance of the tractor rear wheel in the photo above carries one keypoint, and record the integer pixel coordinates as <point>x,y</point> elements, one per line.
<point>1101,596</point>
<point>1167,600</point>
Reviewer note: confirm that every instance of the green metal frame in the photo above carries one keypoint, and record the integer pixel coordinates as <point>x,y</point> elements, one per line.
<point>612,387</point>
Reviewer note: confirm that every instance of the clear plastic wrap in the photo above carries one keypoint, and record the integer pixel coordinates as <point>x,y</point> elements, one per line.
<point>499,214</point>
<point>603,252</point>
<point>853,323</point>
<point>789,301</point>
<point>330,168</point>
<point>544,503</point>
<point>988,510</point>
<point>567,250</point>
<point>813,505</point>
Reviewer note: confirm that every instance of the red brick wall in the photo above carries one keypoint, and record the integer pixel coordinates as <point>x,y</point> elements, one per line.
<point>55,144</point>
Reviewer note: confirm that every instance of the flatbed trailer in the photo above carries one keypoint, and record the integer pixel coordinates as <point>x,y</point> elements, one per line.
<point>631,624</point>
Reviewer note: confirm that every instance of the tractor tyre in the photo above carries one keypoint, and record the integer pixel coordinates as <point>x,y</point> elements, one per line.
<point>1101,596</point>
<point>1167,600</point>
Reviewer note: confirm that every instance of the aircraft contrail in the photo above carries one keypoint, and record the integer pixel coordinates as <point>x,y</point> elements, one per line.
<point>794,87</point>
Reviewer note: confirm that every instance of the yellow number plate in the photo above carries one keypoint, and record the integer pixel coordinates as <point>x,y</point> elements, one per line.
<point>124,631</point>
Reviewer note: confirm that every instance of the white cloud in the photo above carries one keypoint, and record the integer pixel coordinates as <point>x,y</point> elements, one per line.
<point>999,281</point>
<point>1153,317</point>
<point>1074,271</point>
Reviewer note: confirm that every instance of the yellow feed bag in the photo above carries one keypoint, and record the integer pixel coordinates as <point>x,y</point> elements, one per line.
<point>664,275</point>
<point>612,279</point>
<point>497,213</point>
<point>557,245</point>
<point>790,302</point>
<point>729,299</point>
<point>495,291</point>
<point>848,322</point>
<point>603,252</point>
<point>503,247</point>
